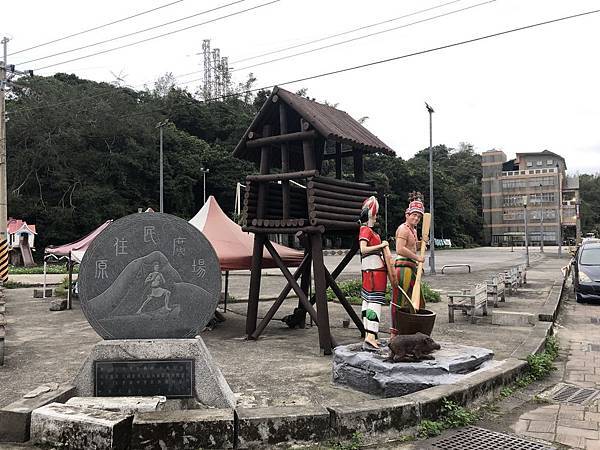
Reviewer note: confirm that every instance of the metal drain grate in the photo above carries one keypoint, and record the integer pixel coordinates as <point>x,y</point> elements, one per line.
<point>565,393</point>
<point>475,438</point>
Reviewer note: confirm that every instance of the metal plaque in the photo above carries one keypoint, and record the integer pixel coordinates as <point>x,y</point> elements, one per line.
<point>149,275</point>
<point>172,378</point>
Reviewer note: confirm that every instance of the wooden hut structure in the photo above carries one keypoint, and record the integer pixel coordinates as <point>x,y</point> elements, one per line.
<point>289,139</point>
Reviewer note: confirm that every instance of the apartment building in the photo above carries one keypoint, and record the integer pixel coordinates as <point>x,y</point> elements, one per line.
<point>535,184</point>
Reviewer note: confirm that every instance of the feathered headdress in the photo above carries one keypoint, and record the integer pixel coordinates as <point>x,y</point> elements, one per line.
<point>369,211</point>
<point>416,203</point>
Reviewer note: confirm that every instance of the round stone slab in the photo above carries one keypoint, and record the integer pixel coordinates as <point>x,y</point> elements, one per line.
<point>149,275</point>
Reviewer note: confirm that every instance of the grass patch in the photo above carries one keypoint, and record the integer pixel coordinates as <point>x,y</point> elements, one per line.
<point>10,284</point>
<point>351,290</point>
<point>354,443</point>
<point>453,416</point>
<point>62,289</point>
<point>36,270</point>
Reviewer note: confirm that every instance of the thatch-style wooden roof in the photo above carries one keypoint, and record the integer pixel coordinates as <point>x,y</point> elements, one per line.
<point>330,123</point>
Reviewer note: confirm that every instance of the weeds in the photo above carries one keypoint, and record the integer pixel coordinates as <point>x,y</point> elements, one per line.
<point>354,443</point>
<point>61,289</point>
<point>453,416</point>
<point>17,285</point>
<point>50,268</point>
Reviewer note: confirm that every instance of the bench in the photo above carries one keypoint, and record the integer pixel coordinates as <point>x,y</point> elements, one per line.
<point>495,289</point>
<point>511,280</point>
<point>468,300</point>
<point>456,265</point>
<point>522,274</point>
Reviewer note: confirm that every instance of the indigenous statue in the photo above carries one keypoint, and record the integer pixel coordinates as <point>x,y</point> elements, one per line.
<point>374,273</point>
<point>407,259</point>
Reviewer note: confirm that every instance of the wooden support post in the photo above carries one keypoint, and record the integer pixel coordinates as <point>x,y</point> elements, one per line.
<point>344,302</point>
<point>226,291</point>
<point>325,339</point>
<point>290,278</point>
<point>288,287</point>
<point>346,259</point>
<point>359,167</point>
<point>285,162</point>
<point>254,291</point>
<point>264,170</point>
<point>338,160</point>
<point>308,150</point>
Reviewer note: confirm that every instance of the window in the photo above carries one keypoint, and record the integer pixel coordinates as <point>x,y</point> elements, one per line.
<point>529,163</point>
<point>539,163</point>
<point>549,162</point>
<point>590,257</point>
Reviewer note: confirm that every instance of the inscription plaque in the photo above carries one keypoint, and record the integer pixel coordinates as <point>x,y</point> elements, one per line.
<point>149,275</point>
<point>172,378</point>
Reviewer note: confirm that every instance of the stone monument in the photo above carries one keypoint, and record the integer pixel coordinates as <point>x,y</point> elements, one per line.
<point>149,283</point>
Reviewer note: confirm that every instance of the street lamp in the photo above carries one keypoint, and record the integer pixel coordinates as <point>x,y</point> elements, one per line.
<point>541,220</point>
<point>431,228</point>
<point>385,197</point>
<point>526,233</point>
<point>160,126</point>
<point>204,172</point>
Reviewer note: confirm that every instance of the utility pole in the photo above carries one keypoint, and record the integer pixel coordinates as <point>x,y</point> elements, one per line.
<point>431,228</point>
<point>4,79</point>
<point>559,210</point>
<point>160,126</point>
<point>3,182</point>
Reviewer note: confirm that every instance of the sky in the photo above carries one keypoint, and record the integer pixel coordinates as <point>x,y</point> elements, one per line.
<point>526,91</point>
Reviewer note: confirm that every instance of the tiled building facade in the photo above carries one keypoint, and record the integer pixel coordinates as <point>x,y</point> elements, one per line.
<point>537,180</point>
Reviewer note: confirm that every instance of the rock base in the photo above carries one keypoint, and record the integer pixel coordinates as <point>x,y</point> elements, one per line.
<point>209,386</point>
<point>369,372</point>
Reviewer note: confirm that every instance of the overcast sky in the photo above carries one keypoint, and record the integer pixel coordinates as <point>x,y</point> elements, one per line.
<point>527,91</point>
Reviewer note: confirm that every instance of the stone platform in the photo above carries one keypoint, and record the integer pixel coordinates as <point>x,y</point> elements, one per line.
<point>369,372</point>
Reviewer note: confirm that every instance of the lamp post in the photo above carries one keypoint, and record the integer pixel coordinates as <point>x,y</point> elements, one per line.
<point>541,220</point>
<point>160,126</point>
<point>431,228</point>
<point>526,232</point>
<point>204,172</point>
<point>385,197</point>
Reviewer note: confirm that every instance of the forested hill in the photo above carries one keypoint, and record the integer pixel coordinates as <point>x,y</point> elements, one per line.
<point>81,152</point>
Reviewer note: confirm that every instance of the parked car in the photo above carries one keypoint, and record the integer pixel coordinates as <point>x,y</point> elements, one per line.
<point>586,272</point>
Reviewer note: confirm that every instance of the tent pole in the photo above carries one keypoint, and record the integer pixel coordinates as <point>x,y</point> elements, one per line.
<point>45,267</point>
<point>70,263</point>
<point>226,290</point>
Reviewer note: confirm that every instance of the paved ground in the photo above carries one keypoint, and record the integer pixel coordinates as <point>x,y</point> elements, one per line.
<point>284,366</point>
<point>562,425</point>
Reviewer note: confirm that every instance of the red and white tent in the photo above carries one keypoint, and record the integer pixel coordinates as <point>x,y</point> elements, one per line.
<point>77,248</point>
<point>234,246</point>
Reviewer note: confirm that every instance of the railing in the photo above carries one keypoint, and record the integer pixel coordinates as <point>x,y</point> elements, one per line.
<point>513,173</point>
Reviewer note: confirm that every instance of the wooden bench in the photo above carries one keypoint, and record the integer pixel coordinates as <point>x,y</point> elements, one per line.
<point>511,280</point>
<point>456,265</point>
<point>495,289</point>
<point>468,300</point>
<point>522,274</point>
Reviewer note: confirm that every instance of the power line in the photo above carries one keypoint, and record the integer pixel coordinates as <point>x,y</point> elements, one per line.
<point>158,36</point>
<point>408,55</point>
<point>363,37</point>
<point>331,36</point>
<point>373,63</point>
<point>133,33</point>
<point>95,28</point>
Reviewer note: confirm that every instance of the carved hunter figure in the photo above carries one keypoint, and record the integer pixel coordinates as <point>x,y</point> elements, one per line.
<point>407,259</point>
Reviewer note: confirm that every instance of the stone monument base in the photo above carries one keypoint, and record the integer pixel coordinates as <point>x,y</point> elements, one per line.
<point>369,372</point>
<point>207,384</point>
